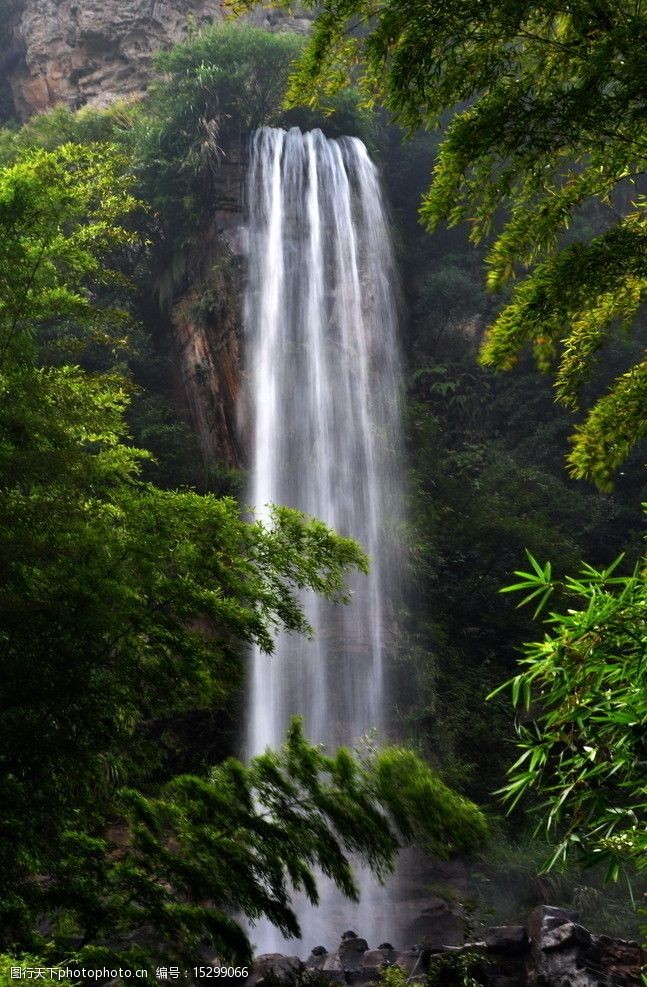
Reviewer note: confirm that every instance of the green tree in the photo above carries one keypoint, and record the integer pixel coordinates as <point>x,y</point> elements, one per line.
<point>544,112</point>
<point>59,214</point>
<point>582,715</point>
<point>210,92</point>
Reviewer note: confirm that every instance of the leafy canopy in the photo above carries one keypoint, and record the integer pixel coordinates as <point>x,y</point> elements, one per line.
<point>59,213</point>
<point>544,110</point>
<point>582,707</point>
<point>209,93</point>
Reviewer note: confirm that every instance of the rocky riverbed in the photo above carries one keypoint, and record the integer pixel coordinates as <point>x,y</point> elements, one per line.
<point>551,950</point>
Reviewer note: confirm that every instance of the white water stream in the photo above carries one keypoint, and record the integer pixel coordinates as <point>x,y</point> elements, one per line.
<point>323,368</point>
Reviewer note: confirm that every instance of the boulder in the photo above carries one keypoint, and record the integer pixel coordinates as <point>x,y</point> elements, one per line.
<point>566,937</point>
<point>506,938</point>
<point>351,951</point>
<point>620,959</point>
<point>374,961</point>
<point>541,922</point>
<point>316,961</point>
<point>565,954</point>
<point>332,969</point>
<point>436,922</point>
<point>412,961</point>
<point>545,918</point>
<point>327,965</point>
<point>559,953</point>
<point>274,963</point>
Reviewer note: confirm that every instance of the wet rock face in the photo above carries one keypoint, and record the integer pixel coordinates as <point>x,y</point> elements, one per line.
<point>78,52</point>
<point>207,372</point>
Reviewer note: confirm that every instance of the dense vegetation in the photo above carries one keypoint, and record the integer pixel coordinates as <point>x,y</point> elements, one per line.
<point>125,608</point>
<point>125,601</point>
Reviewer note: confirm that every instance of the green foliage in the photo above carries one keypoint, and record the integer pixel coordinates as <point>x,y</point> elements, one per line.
<point>183,145</point>
<point>123,607</point>
<point>456,970</point>
<point>172,443</point>
<point>450,970</point>
<point>582,702</point>
<point>59,212</point>
<point>545,114</point>
<point>108,587</point>
<point>230,74</point>
<point>451,290</point>
<point>243,838</point>
<point>588,288</point>
<point>210,92</point>
<point>60,125</point>
<point>486,481</point>
<point>393,976</point>
<point>509,878</point>
<point>237,842</point>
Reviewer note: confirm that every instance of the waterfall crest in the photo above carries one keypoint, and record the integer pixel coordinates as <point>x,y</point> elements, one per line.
<point>323,367</point>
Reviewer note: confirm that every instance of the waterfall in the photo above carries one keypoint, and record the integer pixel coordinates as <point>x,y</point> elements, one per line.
<point>322,363</point>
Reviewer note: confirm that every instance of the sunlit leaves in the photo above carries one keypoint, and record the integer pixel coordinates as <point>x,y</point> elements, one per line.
<point>582,702</point>
<point>61,212</point>
<point>614,424</point>
<point>566,310</point>
<point>539,581</point>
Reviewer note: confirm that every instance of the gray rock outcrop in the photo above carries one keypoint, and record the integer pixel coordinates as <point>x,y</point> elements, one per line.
<point>551,950</point>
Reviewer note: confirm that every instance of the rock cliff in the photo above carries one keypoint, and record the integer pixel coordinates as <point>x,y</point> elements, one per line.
<point>79,52</point>
<point>206,345</point>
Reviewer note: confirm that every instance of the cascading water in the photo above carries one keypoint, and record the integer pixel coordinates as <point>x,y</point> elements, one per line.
<point>323,369</point>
